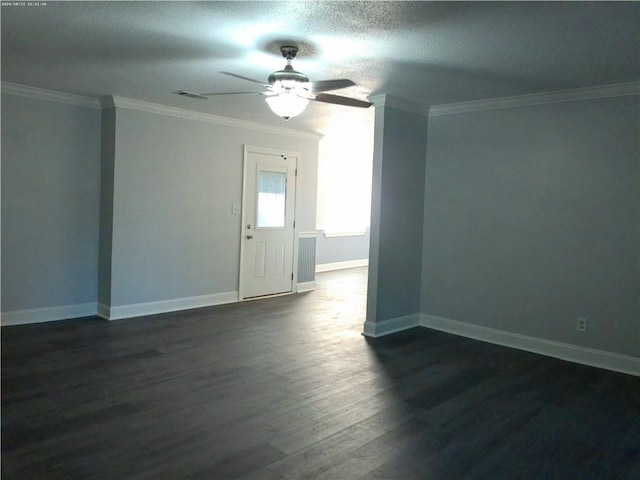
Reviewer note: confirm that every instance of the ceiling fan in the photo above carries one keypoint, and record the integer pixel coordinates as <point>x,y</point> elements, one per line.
<point>288,91</point>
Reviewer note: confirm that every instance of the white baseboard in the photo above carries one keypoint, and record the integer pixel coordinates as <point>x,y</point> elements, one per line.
<point>164,306</point>
<point>563,351</point>
<point>48,314</point>
<point>305,287</point>
<point>392,325</point>
<point>104,311</point>
<point>326,267</point>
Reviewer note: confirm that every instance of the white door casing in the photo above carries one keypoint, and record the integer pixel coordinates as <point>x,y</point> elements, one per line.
<point>268,222</point>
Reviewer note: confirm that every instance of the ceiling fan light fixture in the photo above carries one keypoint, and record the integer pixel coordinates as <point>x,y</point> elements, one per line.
<point>288,92</point>
<point>287,104</point>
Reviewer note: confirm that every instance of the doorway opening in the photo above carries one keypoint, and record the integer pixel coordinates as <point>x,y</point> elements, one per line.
<point>345,164</point>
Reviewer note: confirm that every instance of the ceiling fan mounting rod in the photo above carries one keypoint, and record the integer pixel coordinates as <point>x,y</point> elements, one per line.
<point>289,51</point>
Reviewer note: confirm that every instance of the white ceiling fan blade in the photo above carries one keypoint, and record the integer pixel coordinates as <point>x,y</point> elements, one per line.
<point>245,78</point>
<point>339,100</point>
<point>326,85</point>
<point>228,93</point>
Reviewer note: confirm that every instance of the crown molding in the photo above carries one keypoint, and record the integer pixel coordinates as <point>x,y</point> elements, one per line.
<point>587,93</point>
<point>389,101</point>
<point>110,102</point>
<point>122,102</point>
<point>49,95</point>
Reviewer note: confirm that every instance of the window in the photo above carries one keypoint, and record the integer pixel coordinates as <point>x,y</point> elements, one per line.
<point>272,188</point>
<point>345,163</point>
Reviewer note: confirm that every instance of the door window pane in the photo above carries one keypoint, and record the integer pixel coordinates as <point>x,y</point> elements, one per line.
<point>272,187</point>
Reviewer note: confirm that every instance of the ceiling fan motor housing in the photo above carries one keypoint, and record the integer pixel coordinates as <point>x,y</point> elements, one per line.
<point>287,74</point>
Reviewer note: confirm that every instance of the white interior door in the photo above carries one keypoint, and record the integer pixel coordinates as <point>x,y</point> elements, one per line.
<point>268,222</point>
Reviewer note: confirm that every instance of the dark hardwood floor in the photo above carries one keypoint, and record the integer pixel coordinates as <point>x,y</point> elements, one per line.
<point>287,387</point>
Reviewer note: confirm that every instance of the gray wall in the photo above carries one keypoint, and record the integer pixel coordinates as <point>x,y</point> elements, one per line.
<point>341,248</point>
<point>123,207</point>
<point>50,203</point>
<point>531,220</point>
<point>175,180</point>
<point>107,149</point>
<point>396,214</point>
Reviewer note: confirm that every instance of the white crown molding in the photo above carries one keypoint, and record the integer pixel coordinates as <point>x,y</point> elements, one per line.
<point>122,102</point>
<point>389,101</point>
<point>587,93</point>
<point>49,95</point>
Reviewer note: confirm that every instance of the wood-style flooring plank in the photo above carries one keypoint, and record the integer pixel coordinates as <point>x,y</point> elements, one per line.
<point>287,388</point>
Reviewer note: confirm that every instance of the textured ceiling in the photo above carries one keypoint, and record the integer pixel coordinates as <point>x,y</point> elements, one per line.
<point>431,52</point>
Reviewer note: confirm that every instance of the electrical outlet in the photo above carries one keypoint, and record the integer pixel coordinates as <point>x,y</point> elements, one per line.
<point>581,324</point>
<point>235,209</point>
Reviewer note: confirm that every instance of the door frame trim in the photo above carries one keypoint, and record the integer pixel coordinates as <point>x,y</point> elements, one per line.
<point>248,149</point>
